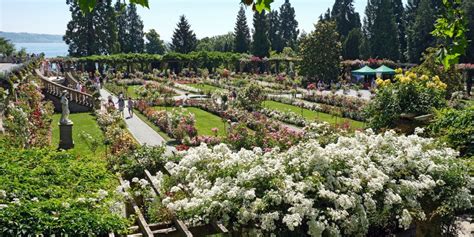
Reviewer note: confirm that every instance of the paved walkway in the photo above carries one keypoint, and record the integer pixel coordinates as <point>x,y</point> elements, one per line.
<point>143,133</point>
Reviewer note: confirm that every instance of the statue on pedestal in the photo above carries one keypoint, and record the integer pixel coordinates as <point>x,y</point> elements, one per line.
<point>65,109</point>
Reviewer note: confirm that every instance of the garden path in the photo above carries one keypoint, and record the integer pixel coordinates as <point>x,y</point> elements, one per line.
<point>143,133</point>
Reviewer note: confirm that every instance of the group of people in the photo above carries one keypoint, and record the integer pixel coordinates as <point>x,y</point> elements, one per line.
<point>121,104</point>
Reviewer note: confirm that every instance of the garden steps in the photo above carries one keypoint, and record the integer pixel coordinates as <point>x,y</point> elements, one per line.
<point>78,101</point>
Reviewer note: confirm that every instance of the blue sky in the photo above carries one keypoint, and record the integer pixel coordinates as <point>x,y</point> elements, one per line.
<point>207,17</point>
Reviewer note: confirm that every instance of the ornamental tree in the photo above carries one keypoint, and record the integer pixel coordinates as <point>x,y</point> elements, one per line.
<point>320,53</point>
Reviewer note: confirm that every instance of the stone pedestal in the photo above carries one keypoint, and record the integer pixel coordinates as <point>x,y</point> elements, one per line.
<point>65,136</point>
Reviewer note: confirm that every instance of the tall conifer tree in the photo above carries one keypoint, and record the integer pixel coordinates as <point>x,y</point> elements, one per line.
<point>421,17</point>
<point>384,43</point>
<point>135,42</point>
<point>184,40</point>
<point>242,33</point>
<point>288,25</point>
<point>399,12</point>
<point>346,18</point>
<point>260,43</point>
<point>274,31</point>
<point>122,25</point>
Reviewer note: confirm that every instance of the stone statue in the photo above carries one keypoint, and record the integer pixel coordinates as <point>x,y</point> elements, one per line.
<point>65,109</point>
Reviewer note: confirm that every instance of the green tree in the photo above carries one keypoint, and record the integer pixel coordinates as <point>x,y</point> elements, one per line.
<point>352,43</point>
<point>154,44</point>
<point>468,7</point>
<point>399,12</point>
<point>274,33</point>
<point>320,53</point>
<point>242,33</point>
<point>288,25</point>
<point>135,42</point>
<point>382,30</point>
<point>184,40</point>
<point>421,17</point>
<point>122,25</point>
<point>6,47</point>
<point>260,43</point>
<point>221,43</point>
<point>93,32</point>
<point>346,18</point>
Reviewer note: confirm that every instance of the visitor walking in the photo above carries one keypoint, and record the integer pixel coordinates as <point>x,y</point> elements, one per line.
<point>130,107</point>
<point>121,104</point>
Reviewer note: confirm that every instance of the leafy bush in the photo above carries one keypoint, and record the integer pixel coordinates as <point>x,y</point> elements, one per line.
<point>409,94</point>
<point>46,192</point>
<point>133,163</point>
<point>251,97</point>
<point>456,128</point>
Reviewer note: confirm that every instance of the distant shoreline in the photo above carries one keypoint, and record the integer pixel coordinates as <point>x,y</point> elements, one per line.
<point>23,37</point>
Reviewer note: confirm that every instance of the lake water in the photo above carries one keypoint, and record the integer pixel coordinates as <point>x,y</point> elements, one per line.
<point>50,50</point>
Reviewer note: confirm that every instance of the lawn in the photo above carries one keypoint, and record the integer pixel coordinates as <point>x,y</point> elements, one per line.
<point>83,122</point>
<point>311,115</point>
<point>131,91</point>
<point>205,121</point>
<point>205,89</point>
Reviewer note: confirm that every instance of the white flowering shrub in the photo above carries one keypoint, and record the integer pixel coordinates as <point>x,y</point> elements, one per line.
<point>357,186</point>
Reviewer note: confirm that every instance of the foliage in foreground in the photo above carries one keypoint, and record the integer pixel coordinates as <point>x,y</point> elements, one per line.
<point>45,192</point>
<point>362,185</point>
<point>456,128</point>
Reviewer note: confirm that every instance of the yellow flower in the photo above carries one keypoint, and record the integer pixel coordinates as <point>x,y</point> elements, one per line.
<point>379,81</point>
<point>387,82</point>
<point>412,75</point>
<point>431,85</point>
<point>398,71</point>
<point>442,86</point>
<point>405,80</point>
<point>424,77</point>
<point>436,78</point>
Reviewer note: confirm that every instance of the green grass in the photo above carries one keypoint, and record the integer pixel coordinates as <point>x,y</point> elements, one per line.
<point>152,125</point>
<point>205,121</point>
<point>83,122</point>
<point>132,91</point>
<point>206,89</point>
<point>311,115</point>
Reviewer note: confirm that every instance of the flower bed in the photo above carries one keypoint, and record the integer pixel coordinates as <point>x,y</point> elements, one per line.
<point>116,135</point>
<point>360,185</point>
<point>175,123</point>
<point>285,116</point>
<point>347,112</point>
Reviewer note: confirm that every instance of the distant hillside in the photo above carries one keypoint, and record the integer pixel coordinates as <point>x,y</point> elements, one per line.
<point>31,38</point>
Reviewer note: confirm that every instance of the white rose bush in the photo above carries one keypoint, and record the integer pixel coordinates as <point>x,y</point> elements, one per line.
<point>360,185</point>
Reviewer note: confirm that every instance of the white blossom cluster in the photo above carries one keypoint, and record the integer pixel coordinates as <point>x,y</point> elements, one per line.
<point>344,188</point>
